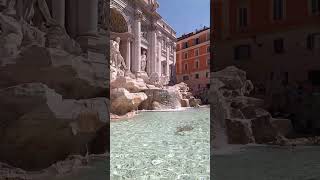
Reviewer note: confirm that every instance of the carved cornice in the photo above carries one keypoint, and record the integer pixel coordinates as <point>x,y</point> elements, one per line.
<point>121,6</point>
<point>153,27</point>
<point>171,43</point>
<point>118,6</point>
<point>159,37</point>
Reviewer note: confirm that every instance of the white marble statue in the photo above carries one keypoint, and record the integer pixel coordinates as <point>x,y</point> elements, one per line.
<point>116,59</point>
<point>144,61</point>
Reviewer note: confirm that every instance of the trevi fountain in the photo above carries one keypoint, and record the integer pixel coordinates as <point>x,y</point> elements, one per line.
<point>56,109</point>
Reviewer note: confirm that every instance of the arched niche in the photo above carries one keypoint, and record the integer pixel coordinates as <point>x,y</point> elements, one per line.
<point>118,23</point>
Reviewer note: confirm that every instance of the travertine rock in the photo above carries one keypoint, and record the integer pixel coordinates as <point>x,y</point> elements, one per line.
<point>132,85</point>
<point>122,101</point>
<point>283,125</point>
<point>167,98</point>
<point>58,38</point>
<point>71,76</point>
<point>239,131</point>
<point>262,129</point>
<point>194,102</point>
<point>238,119</point>
<point>185,103</point>
<point>34,117</point>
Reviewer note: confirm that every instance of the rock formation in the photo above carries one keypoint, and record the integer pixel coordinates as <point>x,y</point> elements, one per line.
<point>238,119</point>
<point>52,96</point>
<point>36,118</point>
<point>129,94</point>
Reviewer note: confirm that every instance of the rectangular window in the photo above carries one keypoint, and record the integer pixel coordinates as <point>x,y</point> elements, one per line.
<point>197,64</point>
<point>208,49</point>
<point>208,62</point>
<point>278,9</point>
<point>185,67</point>
<point>186,55</point>
<point>310,42</point>
<point>315,7</point>
<point>207,74</point>
<point>185,45</point>
<point>197,41</point>
<point>243,17</point>
<point>185,78</point>
<point>197,76</point>
<point>242,52</point>
<point>278,45</point>
<point>197,52</point>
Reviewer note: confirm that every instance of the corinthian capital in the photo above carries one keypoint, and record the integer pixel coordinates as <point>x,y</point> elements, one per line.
<point>138,15</point>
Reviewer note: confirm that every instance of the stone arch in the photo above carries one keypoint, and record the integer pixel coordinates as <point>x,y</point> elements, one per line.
<point>119,22</point>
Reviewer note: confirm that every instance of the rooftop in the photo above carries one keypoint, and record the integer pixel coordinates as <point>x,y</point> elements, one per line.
<point>184,36</point>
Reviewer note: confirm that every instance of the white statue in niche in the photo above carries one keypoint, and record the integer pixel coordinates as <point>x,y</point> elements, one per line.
<point>116,58</point>
<point>144,61</point>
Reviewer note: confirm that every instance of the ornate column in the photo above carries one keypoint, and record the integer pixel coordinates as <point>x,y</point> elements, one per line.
<point>58,11</point>
<point>137,42</point>
<point>128,57</point>
<point>158,63</point>
<point>20,8</point>
<point>72,17</point>
<point>153,49</point>
<point>174,62</point>
<point>168,58</point>
<point>87,26</point>
<point>88,17</point>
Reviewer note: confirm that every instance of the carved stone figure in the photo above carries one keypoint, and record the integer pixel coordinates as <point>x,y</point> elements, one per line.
<point>35,11</point>
<point>144,61</point>
<point>32,35</point>
<point>57,37</point>
<point>11,33</point>
<point>8,6</point>
<point>116,57</point>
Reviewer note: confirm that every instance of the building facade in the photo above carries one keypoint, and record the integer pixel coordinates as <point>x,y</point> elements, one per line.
<point>193,60</point>
<point>144,33</point>
<point>269,39</point>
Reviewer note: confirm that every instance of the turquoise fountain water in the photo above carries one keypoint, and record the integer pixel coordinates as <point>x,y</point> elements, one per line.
<point>148,147</point>
<point>269,163</point>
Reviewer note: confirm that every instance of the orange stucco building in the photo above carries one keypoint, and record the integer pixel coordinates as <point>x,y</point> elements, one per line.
<point>193,60</point>
<point>268,39</point>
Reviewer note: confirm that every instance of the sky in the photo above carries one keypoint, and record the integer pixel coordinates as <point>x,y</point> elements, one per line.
<point>185,16</point>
